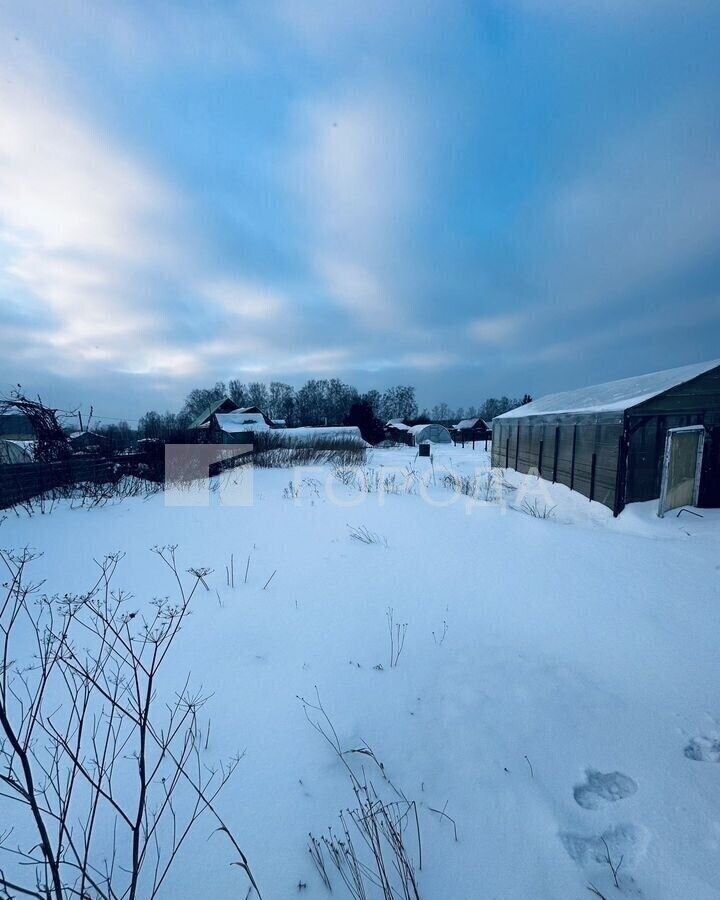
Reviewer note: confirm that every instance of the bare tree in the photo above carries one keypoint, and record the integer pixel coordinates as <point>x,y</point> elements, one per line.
<point>107,785</point>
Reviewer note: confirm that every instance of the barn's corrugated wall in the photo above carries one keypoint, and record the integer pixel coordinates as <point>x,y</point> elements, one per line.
<point>578,451</point>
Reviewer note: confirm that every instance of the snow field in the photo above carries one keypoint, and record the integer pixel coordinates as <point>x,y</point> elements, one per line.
<point>556,694</point>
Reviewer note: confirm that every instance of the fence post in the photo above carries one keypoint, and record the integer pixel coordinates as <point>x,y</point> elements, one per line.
<point>572,462</point>
<point>540,455</point>
<point>555,456</point>
<point>592,476</point>
<point>517,446</point>
<point>507,451</point>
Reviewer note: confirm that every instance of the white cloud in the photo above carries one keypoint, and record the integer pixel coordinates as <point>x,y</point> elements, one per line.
<point>357,288</point>
<point>86,230</point>
<point>76,215</point>
<point>356,180</point>
<point>245,299</point>
<point>496,330</point>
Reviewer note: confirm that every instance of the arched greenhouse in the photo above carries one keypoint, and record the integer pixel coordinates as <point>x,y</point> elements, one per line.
<point>435,434</point>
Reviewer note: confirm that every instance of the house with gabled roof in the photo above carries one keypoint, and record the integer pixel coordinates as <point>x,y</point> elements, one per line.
<point>224,405</point>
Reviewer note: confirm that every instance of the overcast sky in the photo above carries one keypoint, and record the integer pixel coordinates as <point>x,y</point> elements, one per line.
<point>476,198</point>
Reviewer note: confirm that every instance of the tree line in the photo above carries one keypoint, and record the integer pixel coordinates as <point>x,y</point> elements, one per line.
<point>319,402</point>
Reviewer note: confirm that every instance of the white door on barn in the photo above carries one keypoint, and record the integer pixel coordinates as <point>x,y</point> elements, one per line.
<point>682,466</point>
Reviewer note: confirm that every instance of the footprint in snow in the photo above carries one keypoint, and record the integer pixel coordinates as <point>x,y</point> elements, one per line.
<point>626,842</point>
<point>603,787</point>
<point>703,749</point>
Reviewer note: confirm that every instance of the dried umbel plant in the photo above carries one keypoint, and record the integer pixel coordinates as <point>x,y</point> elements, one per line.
<point>104,783</point>
<point>371,848</point>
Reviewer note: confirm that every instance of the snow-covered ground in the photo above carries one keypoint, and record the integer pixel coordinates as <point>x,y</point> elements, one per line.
<point>558,683</point>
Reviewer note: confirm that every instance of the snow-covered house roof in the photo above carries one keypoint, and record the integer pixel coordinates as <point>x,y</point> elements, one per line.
<point>224,405</point>
<point>612,396</point>
<point>398,424</point>
<point>237,422</point>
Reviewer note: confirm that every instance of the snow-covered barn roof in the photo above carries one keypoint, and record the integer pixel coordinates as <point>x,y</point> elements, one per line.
<point>397,424</point>
<point>612,396</point>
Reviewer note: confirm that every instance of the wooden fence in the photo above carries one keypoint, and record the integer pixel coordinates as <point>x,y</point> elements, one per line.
<point>22,481</point>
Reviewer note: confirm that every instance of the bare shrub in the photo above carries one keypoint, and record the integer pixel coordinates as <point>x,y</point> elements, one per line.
<point>397,632</point>
<point>305,487</point>
<point>369,480</point>
<point>346,475</point>
<point>363,535</point>
<point>536,511</point>
<point>273,450</point>
<point>488,486</point>
<point>88,494</point>
<point>439,639</point>
<point>371,848</point>
<point>107,785</point>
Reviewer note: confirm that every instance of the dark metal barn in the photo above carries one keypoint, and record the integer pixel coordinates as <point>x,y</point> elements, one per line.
<point>610,441</point>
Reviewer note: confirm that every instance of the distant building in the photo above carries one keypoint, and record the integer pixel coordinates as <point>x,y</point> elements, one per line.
<point>202,420</point>
<point>471,430</point>
<point>88,442</point>
<point>398,431</point>
<point>623,441</point>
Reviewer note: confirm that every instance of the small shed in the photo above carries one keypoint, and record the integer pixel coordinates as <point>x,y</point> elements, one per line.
<point>609,441</point>
<point>467,430</point>
<point>398,430</point>
<point>88,442</point>
<point>434,433</point>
